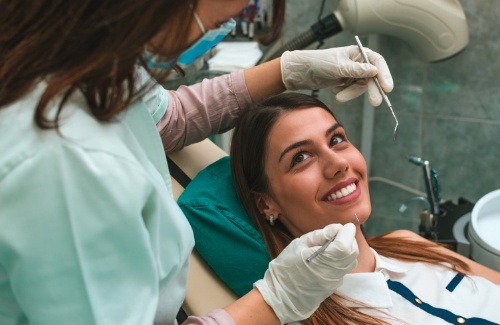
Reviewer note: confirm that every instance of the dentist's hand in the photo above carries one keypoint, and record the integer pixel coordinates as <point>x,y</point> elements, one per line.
<point>343,69</point>
<point>293,287</point>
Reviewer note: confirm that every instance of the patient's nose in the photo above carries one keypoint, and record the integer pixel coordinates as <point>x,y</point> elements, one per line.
<point>334,165</point>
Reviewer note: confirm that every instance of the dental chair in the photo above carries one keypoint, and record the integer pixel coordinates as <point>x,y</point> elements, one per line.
<point>230,253</point>
<point>205,290</point>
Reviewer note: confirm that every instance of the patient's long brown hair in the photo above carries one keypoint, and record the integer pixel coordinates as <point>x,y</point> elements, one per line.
<point>88,45</point>
<point>248,151</point>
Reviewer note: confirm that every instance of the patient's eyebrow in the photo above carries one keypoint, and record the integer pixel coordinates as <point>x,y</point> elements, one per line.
<point>293,146</point>
<point>305,142</point>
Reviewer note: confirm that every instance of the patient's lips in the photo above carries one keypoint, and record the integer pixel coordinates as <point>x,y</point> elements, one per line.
<point>344,192</point>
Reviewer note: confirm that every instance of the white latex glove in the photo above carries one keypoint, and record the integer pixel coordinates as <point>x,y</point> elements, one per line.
<point>293,287</point>
<point>343,69</point>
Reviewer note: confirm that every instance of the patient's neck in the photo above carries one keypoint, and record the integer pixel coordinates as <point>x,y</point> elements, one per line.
<point>366,259</point>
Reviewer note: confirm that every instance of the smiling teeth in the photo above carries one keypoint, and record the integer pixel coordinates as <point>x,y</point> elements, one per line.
<point>342,192</point>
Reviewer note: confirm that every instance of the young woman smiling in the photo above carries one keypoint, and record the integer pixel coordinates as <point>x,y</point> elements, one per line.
<point>295,170</point>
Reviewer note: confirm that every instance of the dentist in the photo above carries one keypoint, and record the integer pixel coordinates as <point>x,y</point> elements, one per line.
<point>89,231</point>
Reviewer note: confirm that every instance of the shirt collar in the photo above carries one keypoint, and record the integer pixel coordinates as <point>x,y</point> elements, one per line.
<point>385,264</point>
<point>370,289</point>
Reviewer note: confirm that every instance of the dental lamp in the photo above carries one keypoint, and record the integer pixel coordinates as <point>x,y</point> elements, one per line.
<point>435,29</point>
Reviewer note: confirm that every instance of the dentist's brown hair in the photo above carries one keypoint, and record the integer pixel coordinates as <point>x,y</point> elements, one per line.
<point>87,45</point>
<point>91,46</point>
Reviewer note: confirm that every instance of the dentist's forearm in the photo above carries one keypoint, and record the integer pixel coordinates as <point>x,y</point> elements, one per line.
<point>264,80</point>
<point>251,309</point>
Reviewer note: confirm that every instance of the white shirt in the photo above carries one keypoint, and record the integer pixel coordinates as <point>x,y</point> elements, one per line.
<point>466,297</point>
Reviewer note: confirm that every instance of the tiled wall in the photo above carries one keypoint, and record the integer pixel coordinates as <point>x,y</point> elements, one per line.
<point>448,112</point>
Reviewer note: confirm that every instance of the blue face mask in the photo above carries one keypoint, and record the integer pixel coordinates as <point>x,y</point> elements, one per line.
<point>155,61</point>
<point>202,46</point>
<point>207,41</point>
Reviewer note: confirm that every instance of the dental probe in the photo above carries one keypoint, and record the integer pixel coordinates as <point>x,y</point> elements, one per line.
<point>325,245</point>
<point>320,250</point>
<point>375,79</point>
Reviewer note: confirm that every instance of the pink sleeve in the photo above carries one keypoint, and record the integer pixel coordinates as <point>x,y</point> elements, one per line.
<point>216,317</point>
<point>200,110</point>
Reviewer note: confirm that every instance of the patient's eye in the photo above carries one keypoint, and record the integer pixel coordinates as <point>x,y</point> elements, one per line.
<point>299,157</point>
<point>337,138</point>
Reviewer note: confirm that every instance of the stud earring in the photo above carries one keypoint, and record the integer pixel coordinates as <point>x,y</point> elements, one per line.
<point>271,220</point>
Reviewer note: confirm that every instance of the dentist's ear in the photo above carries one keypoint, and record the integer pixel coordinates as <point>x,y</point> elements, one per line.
<point>266,206</point>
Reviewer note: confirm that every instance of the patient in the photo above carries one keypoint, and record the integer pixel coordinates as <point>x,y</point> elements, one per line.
<point>295,170</point>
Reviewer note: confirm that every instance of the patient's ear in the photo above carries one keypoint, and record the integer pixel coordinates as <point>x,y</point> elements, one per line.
<point>266,205</point>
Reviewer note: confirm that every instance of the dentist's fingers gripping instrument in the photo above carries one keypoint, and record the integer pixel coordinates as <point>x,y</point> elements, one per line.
<point>375,79</point>
<point>320,250</point>
<point>325,245</point>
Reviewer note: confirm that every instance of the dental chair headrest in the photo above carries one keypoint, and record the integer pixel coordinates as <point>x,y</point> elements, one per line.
<point>224,235</point>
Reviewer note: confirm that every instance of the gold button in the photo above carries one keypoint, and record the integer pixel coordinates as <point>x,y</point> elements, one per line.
<point>418,301</point>
<point>460,320</point>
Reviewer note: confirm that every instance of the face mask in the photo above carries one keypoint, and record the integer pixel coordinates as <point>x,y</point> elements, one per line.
<point>208,40</point>
<point>155,61</point>
<point>202,46</point>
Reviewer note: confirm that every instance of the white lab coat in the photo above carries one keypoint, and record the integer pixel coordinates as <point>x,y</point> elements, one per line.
<point>89,230</point>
